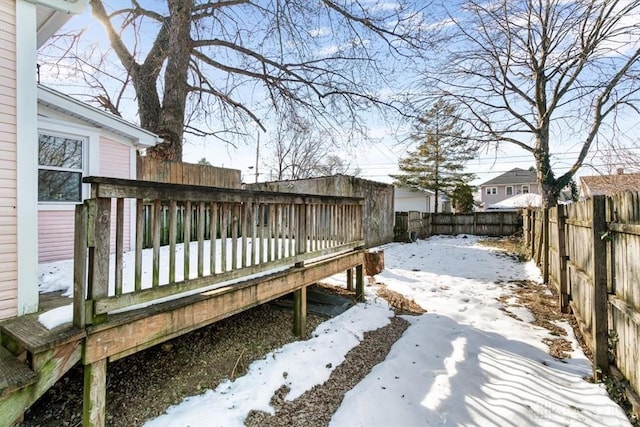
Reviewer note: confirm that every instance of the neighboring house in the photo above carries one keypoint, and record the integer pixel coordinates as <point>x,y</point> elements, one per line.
<point>609,184</point>
<point>68,124</point>
<point>515,203</point>
<point>509,184</point>
<point>406,200</point>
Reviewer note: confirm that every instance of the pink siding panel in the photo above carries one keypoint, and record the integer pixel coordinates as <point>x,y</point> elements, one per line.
<point>8,176</point>
<point>55,235</point>
<point>115,162</point>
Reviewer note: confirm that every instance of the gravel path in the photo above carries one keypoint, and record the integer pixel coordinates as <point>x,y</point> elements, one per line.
<point>317,406</point>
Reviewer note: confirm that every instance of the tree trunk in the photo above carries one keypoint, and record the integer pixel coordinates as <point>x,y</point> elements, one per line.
<point>171,117</point>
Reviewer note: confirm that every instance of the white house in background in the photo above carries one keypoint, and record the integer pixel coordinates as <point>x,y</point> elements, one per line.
<point>25,25</point>
<point>509,184</point>
<point>405,200</point>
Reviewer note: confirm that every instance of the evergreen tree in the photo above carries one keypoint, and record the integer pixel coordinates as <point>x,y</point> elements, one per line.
<point>462,198</point>
<point>440,156</point>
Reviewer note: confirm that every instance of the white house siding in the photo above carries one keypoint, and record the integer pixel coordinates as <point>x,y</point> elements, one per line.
<point>8,159</point>
<point>416,203</point>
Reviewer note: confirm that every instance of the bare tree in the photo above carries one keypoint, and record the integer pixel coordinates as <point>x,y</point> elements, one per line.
<point>296,149</point>
<point>333,164</point>
<point>542,74</point>
<point>208,68</point>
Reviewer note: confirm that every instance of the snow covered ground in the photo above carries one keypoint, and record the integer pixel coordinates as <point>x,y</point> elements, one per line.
<point>464,362</point>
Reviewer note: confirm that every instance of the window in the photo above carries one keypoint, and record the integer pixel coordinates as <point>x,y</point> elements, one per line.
<point>509,190</point>
<point>60,166</point>
<point>492,190</point>
<point>525,188</point>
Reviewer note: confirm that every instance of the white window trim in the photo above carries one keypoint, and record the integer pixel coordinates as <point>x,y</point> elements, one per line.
<point>527,187</point>
<point>491,191</point>
<point>506,190</point>
<point>91,159</point>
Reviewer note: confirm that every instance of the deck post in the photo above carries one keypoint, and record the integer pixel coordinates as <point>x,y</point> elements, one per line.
<point>99,267</point>
<point>95,393</point>
<point>350,279</point>
<point>80,265</point>
<point>300,312</point>
<point>359,283</point>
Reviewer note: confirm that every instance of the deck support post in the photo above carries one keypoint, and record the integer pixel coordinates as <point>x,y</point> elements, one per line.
<point>300,312</point>
<point>350,279</point>
<point>95,393</point>
<point>359,283</point>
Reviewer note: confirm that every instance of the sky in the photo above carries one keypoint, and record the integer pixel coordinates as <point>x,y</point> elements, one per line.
<point>376,158</point>
<point>468,360</point>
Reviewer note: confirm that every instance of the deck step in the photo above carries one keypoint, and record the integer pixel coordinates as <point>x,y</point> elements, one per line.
<point>27,333</point>
<point>14,374</point>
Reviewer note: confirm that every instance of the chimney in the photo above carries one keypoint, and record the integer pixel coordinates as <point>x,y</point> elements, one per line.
<point>620,171</point>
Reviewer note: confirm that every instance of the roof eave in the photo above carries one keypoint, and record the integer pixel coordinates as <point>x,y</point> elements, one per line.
<point>140,137</point>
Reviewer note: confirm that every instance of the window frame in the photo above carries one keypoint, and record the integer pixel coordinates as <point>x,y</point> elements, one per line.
<point>528,189</point>
<point>75,170</point>
<point>90,155</point>
<point>506,190</point>
<point>491,191</point>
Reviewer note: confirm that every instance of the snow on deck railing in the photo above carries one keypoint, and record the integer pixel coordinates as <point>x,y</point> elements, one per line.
<point>198,237</point>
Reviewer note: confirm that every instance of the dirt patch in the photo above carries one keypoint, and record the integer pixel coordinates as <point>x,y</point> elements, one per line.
<point>400,303</point>
<point>511,246</point>
<point>545,309</point>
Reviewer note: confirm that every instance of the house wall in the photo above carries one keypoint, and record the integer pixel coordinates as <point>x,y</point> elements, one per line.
<point>115,162</point>
<point>56,227</point>
<point>8,172</point>
<point>489,199</point>
<point>415,203</point>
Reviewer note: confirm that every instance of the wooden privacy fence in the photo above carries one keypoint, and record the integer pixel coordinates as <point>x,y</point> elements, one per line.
<point>421,224</point>
<point>238,233</point>
<point>590,253</point>
<point>150,169</point>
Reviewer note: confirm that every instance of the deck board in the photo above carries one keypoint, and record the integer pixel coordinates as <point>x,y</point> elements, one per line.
<point>30,333</point>
<point>13,373</point>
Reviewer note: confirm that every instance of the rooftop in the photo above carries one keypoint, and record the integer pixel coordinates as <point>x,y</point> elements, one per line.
<point>514,176</point>
<point>610,184</point>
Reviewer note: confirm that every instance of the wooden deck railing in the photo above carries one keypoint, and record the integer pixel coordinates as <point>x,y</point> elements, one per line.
<point>238,233</point>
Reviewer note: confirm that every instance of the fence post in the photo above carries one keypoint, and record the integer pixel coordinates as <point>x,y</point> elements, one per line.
<point>533,234</point>
<point>545,245</point>
<point>599,274</point>
<point>563,283</point>
<point>526,226</point>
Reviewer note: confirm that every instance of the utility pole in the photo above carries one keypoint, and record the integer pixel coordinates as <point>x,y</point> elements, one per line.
<point>257,154</point>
